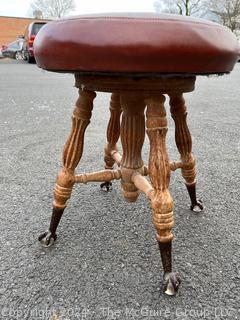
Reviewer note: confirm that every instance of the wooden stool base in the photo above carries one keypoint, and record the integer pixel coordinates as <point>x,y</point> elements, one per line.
<point>130,97</point>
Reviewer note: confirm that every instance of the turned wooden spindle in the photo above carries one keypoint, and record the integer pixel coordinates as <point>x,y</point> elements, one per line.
<point>132,138</point>
<point>183,137</point>
<point>74,147</point>
<point>184,144</point>
<point>162,202</point>
<point>104,175</point>
<point>159,168</point>
<point>71,156</point>
<point>113,130</point>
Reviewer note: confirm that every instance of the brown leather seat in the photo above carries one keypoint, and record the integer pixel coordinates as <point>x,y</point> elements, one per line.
<point>136,43</point>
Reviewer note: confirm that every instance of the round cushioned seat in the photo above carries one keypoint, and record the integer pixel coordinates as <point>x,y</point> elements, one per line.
<point>136,43</point>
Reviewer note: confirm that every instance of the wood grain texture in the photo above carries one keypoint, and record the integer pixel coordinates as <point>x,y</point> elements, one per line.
<point>73,148</point>
<point>131,96</point>
<point>132,138</point>
<point>113,131</point>
<point>151,84</point>
<point>99,176</point>
<point>143,184</point>
<point>183,137</point>
<point>159,168</point>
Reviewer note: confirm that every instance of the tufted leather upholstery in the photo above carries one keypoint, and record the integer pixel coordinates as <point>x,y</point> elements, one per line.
<point>136,43</point>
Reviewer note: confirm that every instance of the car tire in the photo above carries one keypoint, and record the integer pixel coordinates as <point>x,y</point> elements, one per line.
<point>18,56</point>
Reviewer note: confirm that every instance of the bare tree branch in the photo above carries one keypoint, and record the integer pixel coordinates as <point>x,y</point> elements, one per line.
<point>183,7</point>
<point>228,12</point>
<point>53,8</point>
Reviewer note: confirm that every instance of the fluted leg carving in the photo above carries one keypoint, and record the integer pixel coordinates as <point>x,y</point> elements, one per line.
<point>71,156</point>
<point>159,172</point>
<point>113,130</point>
<point>132,138</point>
<point>184,145</point>
<point>113,134</point>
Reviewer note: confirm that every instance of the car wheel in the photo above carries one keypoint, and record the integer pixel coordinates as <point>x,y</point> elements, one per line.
<point>18,56</point>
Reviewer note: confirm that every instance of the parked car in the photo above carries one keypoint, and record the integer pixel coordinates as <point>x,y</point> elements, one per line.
<point>13,50</point>
<point>29,36</point>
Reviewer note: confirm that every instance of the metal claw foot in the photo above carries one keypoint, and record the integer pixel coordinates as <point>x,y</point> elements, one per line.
<point>47,239</point>
<point>106,186</point>
<point>171,283</point>
<point>197,207</point>
<point>196,204</point>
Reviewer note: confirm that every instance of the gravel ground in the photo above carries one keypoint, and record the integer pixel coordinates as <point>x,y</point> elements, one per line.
<point>106,264</point>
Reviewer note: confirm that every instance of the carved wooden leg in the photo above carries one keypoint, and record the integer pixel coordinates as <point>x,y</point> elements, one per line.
<point>132,138</point>
<point>184,145</point>
<point>113,133</point>
<point>71,156</point>
<point>162,203</point>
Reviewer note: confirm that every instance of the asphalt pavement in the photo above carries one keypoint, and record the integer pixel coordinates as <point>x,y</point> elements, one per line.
<point>105,263</point>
